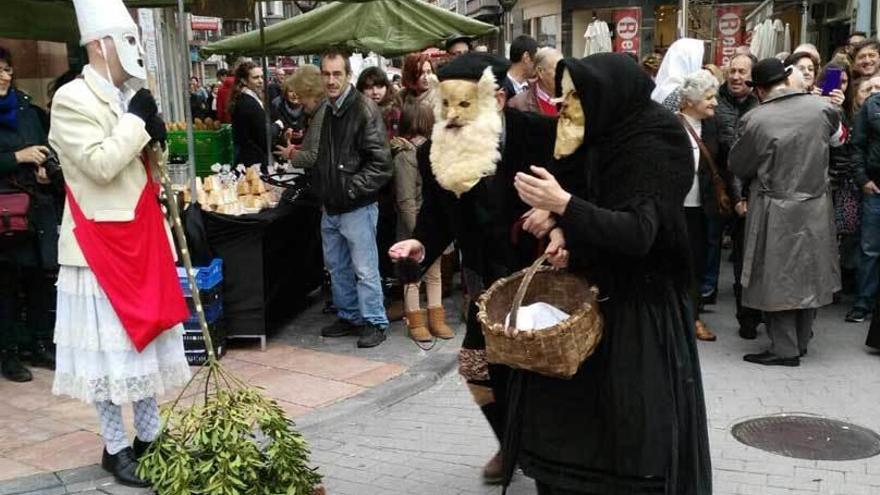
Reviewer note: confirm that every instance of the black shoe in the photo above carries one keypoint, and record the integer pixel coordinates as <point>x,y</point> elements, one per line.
<point>123,467</point>
<point>371,336</point>
<point>13,370</point>
<point>767,358</point>
<point>140,447</point>
<point>42,356</point>
<point>856,315</point>
<point>748,332</point>
<point>340,328</point>
<point>709,299</point>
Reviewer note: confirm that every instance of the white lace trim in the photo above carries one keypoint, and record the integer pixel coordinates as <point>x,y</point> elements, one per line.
<point>121,390</point>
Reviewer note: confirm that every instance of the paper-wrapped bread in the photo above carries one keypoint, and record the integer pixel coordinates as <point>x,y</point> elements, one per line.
<point>243,188</point>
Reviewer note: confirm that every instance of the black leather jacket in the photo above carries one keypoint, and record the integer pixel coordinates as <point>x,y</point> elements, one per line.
<point>727,115</point>
<point>354,160</point>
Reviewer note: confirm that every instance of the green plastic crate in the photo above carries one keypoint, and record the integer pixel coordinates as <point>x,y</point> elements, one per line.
<point>210,146</point>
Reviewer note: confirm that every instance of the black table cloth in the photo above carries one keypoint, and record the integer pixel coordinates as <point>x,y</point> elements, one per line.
<point>271,261</point>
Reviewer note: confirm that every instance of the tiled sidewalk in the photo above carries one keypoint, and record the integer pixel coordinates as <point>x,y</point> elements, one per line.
<point>41,433</point>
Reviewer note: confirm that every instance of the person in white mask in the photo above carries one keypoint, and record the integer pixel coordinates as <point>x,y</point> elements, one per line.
<point>120,305</point>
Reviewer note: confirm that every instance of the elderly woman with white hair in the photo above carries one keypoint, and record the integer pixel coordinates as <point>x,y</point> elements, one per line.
<point>707,198</point>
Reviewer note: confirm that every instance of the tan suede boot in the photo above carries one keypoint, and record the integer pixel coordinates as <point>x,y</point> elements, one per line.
<point>416,323</point>
<point>437,324</point>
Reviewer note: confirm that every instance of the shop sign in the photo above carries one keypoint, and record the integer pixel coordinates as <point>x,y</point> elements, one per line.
<point>729,33</point>
<point>627,26</point>
<point>200,23</point>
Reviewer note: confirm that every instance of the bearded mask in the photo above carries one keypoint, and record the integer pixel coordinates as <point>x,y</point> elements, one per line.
<point>466,133</point>
<point>572,121</point>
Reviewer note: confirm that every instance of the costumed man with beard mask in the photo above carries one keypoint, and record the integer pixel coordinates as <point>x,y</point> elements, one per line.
<point>632,419</point>
<point>118,333</point>
<point>476,148</point>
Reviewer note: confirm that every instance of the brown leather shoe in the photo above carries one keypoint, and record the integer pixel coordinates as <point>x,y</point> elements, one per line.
<point>416,323</point>
<point>703,332</point>
<point>437,324</point>
<point>493,472</point>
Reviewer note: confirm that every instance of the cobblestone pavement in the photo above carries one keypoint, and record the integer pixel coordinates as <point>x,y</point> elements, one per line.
<point>435,442</point>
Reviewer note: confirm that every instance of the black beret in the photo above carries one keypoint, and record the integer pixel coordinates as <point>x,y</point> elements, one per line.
<point>470,67</point>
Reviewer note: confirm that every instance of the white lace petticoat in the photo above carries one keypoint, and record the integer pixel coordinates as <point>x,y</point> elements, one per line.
<point>95,360</point>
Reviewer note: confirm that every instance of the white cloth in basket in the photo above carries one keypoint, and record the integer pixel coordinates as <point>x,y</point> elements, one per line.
<point>537,316</point>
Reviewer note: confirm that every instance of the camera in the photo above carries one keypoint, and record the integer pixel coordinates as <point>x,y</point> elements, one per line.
<point>52,165</point>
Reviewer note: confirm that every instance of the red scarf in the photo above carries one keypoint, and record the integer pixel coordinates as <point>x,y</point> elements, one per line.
<point>133,264</point>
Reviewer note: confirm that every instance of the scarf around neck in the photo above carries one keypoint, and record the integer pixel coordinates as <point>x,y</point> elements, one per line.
<point>9,110</point>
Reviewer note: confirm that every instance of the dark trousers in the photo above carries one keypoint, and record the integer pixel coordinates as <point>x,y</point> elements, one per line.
<point>747,317</point>
<point>37,289</point>
<point>790,331</point>
<point>695,219</point>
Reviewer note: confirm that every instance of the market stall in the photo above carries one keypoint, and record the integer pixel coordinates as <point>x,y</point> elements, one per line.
<point>386,27</point>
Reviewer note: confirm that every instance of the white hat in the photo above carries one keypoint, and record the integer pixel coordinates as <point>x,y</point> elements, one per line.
<point>99,18</point>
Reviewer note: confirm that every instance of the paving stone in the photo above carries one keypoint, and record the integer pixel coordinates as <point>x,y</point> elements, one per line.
<point>29,484</point>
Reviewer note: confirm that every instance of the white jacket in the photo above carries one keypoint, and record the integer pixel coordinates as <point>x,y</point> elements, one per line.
<point>99,148</point>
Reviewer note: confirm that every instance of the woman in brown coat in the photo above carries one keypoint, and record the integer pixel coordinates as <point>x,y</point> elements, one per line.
<point>416,122</point>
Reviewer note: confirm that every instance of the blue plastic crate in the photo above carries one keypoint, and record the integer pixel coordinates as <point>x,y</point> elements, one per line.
<point>213,313</point>
<point>209,297</point>
<point>206,276</point>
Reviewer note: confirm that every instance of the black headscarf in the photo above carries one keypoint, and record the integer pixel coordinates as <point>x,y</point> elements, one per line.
<point>634,149</point>
<point>613,89</point>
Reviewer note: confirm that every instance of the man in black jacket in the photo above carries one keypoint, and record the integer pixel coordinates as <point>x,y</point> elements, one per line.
<point>353,164</point>
<point>522,67</point>
<point>468,197</point>
<point>735,98</point>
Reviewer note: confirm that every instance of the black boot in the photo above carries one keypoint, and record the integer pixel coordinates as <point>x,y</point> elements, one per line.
<point>12,369</point>
<point>43,355</point>
<point>123,467</point>
<point>140,447</point>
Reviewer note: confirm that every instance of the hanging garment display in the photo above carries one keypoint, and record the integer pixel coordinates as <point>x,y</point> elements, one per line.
<point>598,38</point>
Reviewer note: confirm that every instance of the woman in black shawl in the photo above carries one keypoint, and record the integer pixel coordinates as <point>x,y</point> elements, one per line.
<point>633,419</point>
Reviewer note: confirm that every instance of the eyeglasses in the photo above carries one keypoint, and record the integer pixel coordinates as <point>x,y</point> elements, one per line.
<point>8,70</point>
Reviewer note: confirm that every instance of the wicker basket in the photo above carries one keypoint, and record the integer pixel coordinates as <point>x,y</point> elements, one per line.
<point>557,351</point>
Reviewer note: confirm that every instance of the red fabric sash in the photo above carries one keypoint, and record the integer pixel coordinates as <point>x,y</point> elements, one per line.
<point>133,264</point>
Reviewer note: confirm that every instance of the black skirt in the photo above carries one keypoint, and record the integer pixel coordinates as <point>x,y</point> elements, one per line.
<point>633,419</point>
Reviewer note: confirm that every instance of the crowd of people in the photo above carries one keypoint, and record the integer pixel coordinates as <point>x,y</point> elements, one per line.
<point>631,174</point>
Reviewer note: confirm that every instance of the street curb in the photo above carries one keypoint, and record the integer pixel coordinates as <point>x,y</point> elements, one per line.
<point>416,379</point>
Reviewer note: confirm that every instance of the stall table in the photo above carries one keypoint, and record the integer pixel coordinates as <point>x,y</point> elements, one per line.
<point>272,261</point>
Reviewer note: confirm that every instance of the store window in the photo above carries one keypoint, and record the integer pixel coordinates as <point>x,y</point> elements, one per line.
<point>547,33</point>
<point>527,27</point>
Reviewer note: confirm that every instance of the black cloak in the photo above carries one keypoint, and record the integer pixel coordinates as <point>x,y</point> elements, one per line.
<point>633,419</point>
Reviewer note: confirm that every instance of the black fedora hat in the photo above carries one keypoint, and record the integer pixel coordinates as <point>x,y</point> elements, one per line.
<point>767,72</point>
<point>455,38</point>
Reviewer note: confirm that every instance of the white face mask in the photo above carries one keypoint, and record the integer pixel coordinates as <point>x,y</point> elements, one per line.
<point>131,53</point>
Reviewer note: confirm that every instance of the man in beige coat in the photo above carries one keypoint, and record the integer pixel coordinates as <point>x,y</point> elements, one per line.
<point>100,127</point>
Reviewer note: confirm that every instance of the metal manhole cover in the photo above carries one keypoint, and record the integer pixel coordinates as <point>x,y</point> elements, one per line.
<point>808,437</point>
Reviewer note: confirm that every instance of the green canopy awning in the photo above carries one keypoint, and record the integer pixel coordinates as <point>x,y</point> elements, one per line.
<point>52,20</point>
<point>386,27</point>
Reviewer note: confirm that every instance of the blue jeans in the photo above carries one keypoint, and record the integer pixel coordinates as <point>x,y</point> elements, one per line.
<point>351,256</point>
<point>714,227</point>
<point>868,277</point>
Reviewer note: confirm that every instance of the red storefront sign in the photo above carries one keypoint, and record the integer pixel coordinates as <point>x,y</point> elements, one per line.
<point>627,25</point>
<point>729,33</point>
<point>200,23</point>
